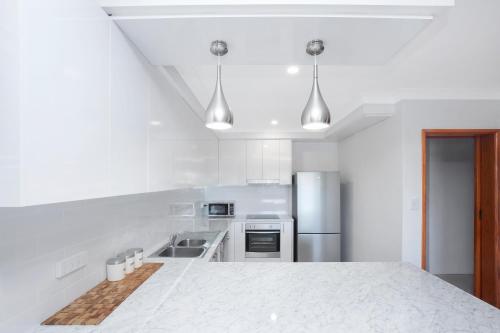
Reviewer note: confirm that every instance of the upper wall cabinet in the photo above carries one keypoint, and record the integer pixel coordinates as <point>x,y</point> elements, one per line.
<point>195,163</point>
<point>129,93</point>
<point>232,162</point>
<point>269,161</point>
<point>182,151</point>
<point>88,116</point>
<point>285,162</point>
<point>254,160</point>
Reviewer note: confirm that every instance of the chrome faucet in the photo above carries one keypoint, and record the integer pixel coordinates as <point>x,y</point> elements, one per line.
<point>173,237</point>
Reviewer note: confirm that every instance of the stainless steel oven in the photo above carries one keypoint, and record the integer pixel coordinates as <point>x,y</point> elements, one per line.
<point>220,209</point>
<point>262,240</point>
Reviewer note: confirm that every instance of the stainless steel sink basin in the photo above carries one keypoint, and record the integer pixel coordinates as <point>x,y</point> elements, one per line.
<point>191,245</point>
<point>189,242</point>
<point>182,252</point>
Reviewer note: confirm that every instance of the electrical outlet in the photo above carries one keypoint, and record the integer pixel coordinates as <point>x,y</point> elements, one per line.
<point>71,264</point>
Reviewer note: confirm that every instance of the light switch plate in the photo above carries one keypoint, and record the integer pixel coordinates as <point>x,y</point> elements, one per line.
<point>414,204</point>
<point>71,264</point>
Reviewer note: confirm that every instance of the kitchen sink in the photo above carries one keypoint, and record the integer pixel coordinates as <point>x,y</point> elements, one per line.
<point>187,245</point>
<point>189,242</point>
<point>182,252</point>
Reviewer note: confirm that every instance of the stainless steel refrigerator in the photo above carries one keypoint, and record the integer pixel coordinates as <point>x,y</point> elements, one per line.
<point>316,211</point>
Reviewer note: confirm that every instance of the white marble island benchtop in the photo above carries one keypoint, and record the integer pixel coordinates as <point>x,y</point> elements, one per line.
<point>195,296</point>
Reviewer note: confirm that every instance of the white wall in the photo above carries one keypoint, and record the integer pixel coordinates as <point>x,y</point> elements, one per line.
<point>9,118</point>
<point>315,156</point>
<point>450,214</point>
<point>370,169</point>
<point>39,236</point>
<point>263,199</point>
<point>418,115</point>
<point>389,156</point>
<point>88,116</point>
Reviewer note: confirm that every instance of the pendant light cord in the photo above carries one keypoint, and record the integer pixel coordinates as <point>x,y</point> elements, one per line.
<point>315,72</point>
<point>218,68</point>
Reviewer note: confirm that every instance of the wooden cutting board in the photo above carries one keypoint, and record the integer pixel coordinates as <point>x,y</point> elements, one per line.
<point>98,303</point>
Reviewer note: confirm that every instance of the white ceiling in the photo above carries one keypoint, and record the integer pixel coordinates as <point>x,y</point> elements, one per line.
<point>457,56</point>
<point>186,8</point>
<point>353,40</point>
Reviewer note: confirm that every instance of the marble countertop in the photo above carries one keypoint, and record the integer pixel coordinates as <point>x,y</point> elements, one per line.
<point>193,295</point>
<point>242,218</point>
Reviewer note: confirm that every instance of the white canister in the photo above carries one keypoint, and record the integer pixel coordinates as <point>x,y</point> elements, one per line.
<point>129,261</point>
<point>115,268</point>
<point>138,256</point>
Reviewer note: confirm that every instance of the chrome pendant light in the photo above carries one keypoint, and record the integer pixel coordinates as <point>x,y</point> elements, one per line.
<point>316,115</point>
<point>218,115</point>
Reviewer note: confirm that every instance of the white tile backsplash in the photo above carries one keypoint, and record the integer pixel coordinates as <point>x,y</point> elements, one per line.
<point>33,239</point>
<point>263,199</point>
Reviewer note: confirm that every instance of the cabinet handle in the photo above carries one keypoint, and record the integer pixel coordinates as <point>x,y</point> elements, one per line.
<point>241,227</point>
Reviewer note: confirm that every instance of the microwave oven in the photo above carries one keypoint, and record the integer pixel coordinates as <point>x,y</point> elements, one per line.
<point>220,209</point>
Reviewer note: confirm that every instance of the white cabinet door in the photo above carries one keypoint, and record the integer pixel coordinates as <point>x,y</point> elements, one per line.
<point>285,162</point>
<point>239,241</point>
<point>229,245</point>
<point>129,94</point>
<point>195,163</point>
<point>232,162</point>
<point>271,160</point>
<point>286,240</point>
<point>161,165</point>
<point>254,160</point>
<point>64,103</point>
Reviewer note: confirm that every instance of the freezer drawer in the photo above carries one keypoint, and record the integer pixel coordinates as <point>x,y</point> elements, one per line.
<point>318,247</point>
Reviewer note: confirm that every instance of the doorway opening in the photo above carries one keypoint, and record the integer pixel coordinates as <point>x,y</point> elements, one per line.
<point>460,209</point>
<point>450,210</point>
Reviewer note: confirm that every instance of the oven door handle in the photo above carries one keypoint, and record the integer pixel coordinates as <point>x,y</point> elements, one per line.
<point>262,232</point>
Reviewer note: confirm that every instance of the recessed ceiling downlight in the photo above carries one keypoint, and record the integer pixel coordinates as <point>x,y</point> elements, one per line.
<point>274,122</point>
<point>292,70</point>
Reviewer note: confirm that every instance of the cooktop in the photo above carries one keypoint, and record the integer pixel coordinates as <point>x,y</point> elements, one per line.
<point>262,217</point>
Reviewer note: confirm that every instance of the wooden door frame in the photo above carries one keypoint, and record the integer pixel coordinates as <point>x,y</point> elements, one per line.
<point>461,133</point>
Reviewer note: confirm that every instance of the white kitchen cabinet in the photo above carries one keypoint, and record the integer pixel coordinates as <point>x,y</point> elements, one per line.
<point>129,92</point>
<point>232,162</point>
<point>254,160</point>
<point>161,172</point>
<point>285,162</point>
<point>286,241</point>
<point>63,108</point>
<point>195,163</point>
<point>96,119</point>
<point>182,151</point>
<point>269,161</point>
<point>229,245</point>
<point>239,241</point>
